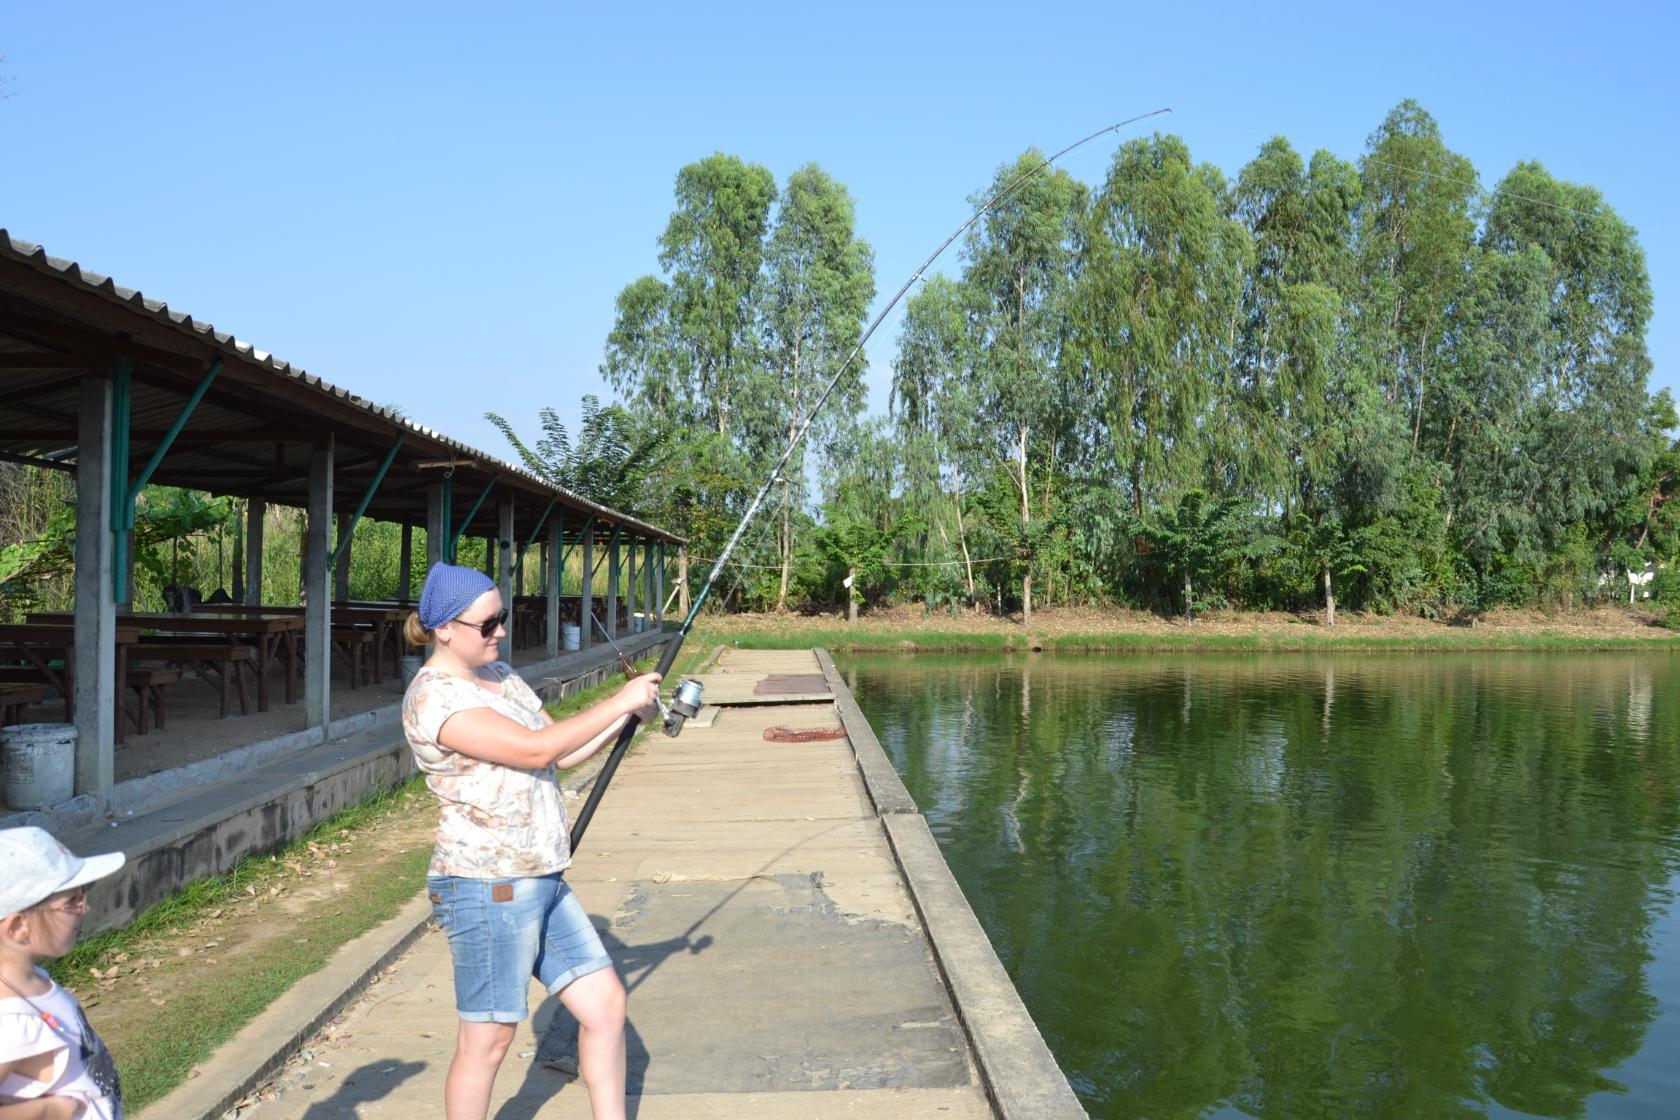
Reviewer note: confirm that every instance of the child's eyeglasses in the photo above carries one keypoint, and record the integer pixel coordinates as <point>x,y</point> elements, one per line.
<point>488,627</point>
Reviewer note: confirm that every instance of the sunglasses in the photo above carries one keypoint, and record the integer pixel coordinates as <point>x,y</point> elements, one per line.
<point>489,626</point>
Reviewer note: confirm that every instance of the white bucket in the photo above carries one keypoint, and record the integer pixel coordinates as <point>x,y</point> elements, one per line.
<point>570,635</point>
<point>409,665</point>
<point>40,762</point>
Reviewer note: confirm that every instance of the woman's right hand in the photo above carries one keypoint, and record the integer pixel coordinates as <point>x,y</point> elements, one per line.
<point>638,693</point>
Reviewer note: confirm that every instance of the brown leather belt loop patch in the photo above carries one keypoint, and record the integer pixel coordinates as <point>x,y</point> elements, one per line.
<point>501,892</point>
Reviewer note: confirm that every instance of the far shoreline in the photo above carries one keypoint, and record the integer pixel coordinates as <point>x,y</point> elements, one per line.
<point>1098,630</point>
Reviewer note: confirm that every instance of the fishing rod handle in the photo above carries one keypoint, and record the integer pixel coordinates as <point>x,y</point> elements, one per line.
<point>625,734</point>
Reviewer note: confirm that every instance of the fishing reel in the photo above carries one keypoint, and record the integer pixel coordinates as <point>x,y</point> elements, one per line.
<point>685,705</point>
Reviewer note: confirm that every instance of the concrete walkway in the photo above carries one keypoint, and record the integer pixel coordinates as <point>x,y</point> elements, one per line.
<point>792,942</point>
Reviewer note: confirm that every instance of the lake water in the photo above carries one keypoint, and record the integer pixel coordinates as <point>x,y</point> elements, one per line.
<point>1291,886</point>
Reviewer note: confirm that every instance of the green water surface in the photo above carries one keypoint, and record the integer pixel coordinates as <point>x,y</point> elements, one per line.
<point>1299,886</point>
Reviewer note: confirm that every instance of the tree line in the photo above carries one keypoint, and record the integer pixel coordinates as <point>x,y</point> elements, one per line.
<point>1373,383</point>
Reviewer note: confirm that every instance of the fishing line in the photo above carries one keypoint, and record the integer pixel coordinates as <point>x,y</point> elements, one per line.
<point>688,694</point>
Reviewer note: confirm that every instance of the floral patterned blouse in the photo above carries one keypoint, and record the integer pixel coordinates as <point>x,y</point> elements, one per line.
<point>495,821</point>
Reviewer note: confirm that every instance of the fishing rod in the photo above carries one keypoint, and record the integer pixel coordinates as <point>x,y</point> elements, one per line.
<point>629,669</point>
<point>687,700</point>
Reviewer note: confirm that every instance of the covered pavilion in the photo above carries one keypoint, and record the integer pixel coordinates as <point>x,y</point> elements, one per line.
<point>122,391</point>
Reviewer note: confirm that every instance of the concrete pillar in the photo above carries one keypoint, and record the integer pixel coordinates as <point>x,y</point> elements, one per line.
<point>256,517</point>
<point>611,620</point>
<point>586,628</point>
<point>435,527</point>
<point>303,554</point>
<point>96,608</point>
<point>682,579</point>
<point>237,592</point>
<point>504,574</point>
<point>317,627</point>
<point>659,587</point>
<point>341,581</point>
<point>551,582</point>
<point>630,582</point>
<point>405,565</point>
<point>650,605</point>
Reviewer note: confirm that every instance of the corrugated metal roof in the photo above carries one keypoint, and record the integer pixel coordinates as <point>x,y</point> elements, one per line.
<point>291,376</point>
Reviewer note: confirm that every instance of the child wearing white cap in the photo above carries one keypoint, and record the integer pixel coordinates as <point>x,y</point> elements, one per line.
<point>52,1065</point>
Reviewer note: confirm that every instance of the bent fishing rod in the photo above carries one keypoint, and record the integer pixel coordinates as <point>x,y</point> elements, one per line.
<point>686,703</point>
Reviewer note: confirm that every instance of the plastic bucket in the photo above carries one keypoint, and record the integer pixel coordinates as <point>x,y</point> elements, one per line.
<point>408,665</point>
<point>637,624</point>
<point>570,634</point>
<point>40,763</point>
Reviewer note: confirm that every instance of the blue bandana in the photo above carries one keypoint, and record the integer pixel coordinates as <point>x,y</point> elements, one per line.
<point>450,590</point>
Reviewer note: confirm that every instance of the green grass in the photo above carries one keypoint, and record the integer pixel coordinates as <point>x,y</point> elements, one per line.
<point>207,1003</point>
<point>1309,640</point>
<point>1313,641</point>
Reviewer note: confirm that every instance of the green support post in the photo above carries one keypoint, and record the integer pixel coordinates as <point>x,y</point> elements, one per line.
<point>373,488</point>
<point>471,513</point>
<point>519,558</point>
<point>122,511</point>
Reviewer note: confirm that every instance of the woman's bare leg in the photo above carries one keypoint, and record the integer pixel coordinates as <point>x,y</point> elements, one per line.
<point>597,1002</point>
<point>479,1050</point>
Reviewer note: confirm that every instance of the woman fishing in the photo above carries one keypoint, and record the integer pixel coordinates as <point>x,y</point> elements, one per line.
<point>489,753</point>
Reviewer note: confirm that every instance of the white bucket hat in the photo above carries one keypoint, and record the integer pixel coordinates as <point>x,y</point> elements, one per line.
<point>34,866</point>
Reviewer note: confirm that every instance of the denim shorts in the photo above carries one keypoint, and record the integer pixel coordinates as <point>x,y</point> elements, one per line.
<point>502,932</point>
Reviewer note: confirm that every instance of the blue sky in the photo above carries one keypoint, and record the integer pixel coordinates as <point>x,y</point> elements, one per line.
<point>434,205</point>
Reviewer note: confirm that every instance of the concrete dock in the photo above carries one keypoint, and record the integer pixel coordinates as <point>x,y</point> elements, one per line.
<point>793,944</point>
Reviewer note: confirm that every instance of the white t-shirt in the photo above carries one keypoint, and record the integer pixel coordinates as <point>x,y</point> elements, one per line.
<point>495,822</point>
<point>82,1067</point>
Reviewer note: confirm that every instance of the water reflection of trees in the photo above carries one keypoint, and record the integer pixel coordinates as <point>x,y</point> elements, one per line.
<point>1387,886</point>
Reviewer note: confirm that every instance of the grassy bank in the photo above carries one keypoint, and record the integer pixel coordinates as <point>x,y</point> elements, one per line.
<point>1088,631</point>
<point>936,641</point>
<point>185,975</point>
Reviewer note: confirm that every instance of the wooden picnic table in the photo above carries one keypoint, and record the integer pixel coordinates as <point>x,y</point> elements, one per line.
<point>269,632</point>
<point>385,621</point>
<point>41,643</point>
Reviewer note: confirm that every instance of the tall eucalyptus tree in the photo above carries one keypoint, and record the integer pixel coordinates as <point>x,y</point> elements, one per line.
<point>1019,270</point>
<point>1318,442</point>
<point>819,279</point>
<point>689,345</point>
<point>1590,303</point>
<point>1159,291</point>
<point>693,339</point>
<point>934,410</point>
<point>1416,234</point>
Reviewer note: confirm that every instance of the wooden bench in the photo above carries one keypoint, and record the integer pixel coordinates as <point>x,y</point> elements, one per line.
<point>151,690</point>
<point>22,674</point>
<point>222,665</point>
<point>15,700</point>
<point>356,644</point>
